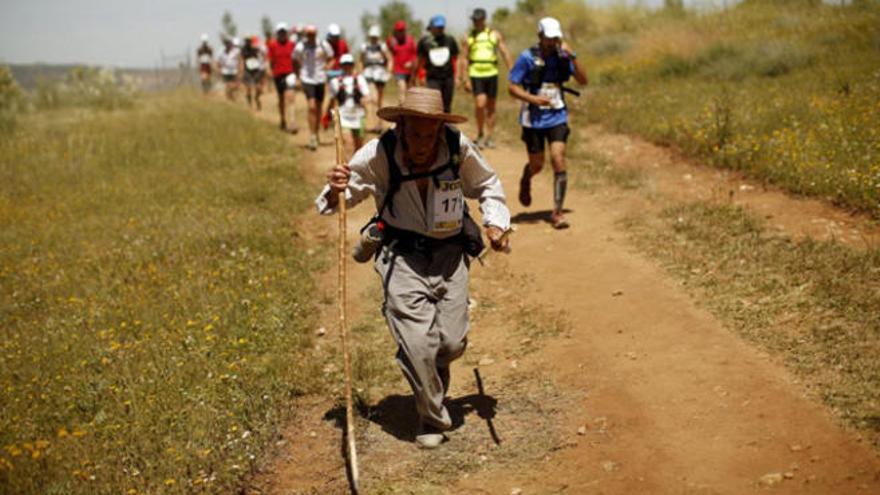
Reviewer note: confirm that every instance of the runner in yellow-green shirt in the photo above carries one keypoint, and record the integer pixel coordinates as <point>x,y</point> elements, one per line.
<point>479,69</point>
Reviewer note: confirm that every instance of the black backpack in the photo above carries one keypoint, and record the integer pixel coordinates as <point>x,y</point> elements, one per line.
<point>470,235</point>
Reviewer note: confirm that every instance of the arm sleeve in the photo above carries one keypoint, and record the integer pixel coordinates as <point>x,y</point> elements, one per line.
<point>480,182</point>
<point>364,86</point>
<point>367,179</point>
<point>519,70</point>
<point>453,47</point>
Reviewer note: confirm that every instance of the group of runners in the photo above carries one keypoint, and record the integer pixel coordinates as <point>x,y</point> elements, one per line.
<point>300,60</point>
<point>419,173</point>
<point>422,168</point>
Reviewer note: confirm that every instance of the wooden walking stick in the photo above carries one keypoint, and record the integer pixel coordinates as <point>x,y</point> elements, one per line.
<point>343,331</point>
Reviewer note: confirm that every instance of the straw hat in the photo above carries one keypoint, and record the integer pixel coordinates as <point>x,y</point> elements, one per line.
<point>420,102</point>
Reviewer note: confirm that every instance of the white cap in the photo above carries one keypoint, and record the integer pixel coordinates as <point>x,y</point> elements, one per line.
<point>333,30</point>
<point>549,27</point>
<point>346,59</point>
<point>205,37</point>
<point>236,42</point>
<point>375,31</point>
<point>281,26</point>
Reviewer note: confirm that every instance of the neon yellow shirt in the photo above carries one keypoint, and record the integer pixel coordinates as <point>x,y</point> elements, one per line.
<point>482,57</point>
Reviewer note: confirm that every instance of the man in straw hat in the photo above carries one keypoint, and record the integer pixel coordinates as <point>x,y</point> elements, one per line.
<point>419,174</point>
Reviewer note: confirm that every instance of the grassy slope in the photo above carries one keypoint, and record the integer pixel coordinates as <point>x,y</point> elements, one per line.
<point>785,91</point>
<point>793,92</point>
<point>152,302</point>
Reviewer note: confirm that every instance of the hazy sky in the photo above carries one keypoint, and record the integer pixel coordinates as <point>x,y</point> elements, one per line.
<point>134,33</point>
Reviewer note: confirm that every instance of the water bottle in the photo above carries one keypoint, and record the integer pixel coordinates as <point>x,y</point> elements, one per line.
<point>368,244</point>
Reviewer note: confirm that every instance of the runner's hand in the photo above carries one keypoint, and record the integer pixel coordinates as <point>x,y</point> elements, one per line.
<point>337,178</point>
<point>497,239</point>
<point>564,48</point>
<point>541,101</point>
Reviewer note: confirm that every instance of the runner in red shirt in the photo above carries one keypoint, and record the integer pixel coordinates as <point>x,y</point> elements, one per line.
<point>403,50</point>
<point>280,55</point>
<point>340,48</point>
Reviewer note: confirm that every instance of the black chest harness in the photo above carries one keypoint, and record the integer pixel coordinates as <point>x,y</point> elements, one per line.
<point>343,95</point>
<point>469,237</point>
<point>535,77</point>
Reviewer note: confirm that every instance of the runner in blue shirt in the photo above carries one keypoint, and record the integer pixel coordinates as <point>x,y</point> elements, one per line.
<point>536,79</point>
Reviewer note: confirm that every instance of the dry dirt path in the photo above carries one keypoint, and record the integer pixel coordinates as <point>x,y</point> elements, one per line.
<point>637,391</point>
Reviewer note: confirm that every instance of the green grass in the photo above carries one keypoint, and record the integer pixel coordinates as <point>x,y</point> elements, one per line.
<point>155,297</point>
<point>786,92</point>
<point>814,304</point>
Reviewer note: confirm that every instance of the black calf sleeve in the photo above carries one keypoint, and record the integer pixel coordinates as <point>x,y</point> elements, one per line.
<point>560,181</point>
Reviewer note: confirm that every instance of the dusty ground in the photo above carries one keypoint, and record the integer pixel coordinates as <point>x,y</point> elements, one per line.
<point>600,374</point>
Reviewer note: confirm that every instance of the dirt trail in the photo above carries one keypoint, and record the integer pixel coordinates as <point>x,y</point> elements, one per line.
<point>666,399</point>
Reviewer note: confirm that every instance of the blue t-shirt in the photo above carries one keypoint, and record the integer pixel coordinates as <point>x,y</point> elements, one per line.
<point>541,117</point>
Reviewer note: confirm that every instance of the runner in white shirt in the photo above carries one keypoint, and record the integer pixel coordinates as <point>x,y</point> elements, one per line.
<point>310,59</point>
<point>351,92</point>
<point>376,62</point>
<point>229,65</point>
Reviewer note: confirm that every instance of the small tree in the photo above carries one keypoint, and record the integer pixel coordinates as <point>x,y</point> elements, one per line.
<point>389,13</point>
<point>266,26</point>
<point>229,29</point>
<point>531,7</point>
<point>500,15</point>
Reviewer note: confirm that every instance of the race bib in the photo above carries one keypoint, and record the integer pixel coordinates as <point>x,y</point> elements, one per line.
<point>553,93</point>
<point>439,55</point>
<point>252,64</point>
<point>351,117</point>
<point>290,81</point>
<point>204,58</point>
<point>448,206</point>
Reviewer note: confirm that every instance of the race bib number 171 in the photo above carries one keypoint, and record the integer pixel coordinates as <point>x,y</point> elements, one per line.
<point>448,206</point>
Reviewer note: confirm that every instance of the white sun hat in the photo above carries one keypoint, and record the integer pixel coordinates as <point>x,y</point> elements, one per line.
<point>281,26</point>
<point>549,28</point>
<point>375,32</point>
<point>205,37</point>
<point>346,59</point>
<point>334,30</point>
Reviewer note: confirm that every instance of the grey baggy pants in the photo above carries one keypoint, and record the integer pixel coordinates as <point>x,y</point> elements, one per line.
<point>426,306</point>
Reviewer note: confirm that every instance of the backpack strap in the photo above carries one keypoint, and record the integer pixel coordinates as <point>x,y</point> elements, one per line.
<point>388,140</point>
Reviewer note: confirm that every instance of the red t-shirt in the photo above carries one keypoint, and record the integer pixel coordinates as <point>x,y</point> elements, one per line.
<point>403,53</point>
<point>280,57</point>
<point>340,48</point>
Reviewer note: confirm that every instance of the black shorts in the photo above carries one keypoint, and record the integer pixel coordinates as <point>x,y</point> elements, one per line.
<point>314,91</point>
<point>228,78</point>
<point>534,138</point>
<point>485,86</point>
<point>253,77</point>
<point>446,87</point>
<point>281,83</point>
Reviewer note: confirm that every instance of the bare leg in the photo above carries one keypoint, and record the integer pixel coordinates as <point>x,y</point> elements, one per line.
<point>490,117</point>
<point>291,96</point>
<point>401,90</point>
<point>282,108</point>
<point>560,182</point>
<point>480,110</point>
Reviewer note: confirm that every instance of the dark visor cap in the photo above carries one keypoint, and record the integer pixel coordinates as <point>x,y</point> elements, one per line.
<point>479,15</point>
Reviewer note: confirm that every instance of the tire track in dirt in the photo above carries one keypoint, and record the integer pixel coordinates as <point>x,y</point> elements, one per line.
<point>670,401</point>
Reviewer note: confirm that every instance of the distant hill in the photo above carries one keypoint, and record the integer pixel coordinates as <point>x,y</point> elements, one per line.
<point>27,75</point>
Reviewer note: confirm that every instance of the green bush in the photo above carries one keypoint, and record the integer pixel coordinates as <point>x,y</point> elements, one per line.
<point>88,87</point>
<point>11,100</point>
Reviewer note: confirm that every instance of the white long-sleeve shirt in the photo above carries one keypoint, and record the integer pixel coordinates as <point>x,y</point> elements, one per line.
<point>370,176</point>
